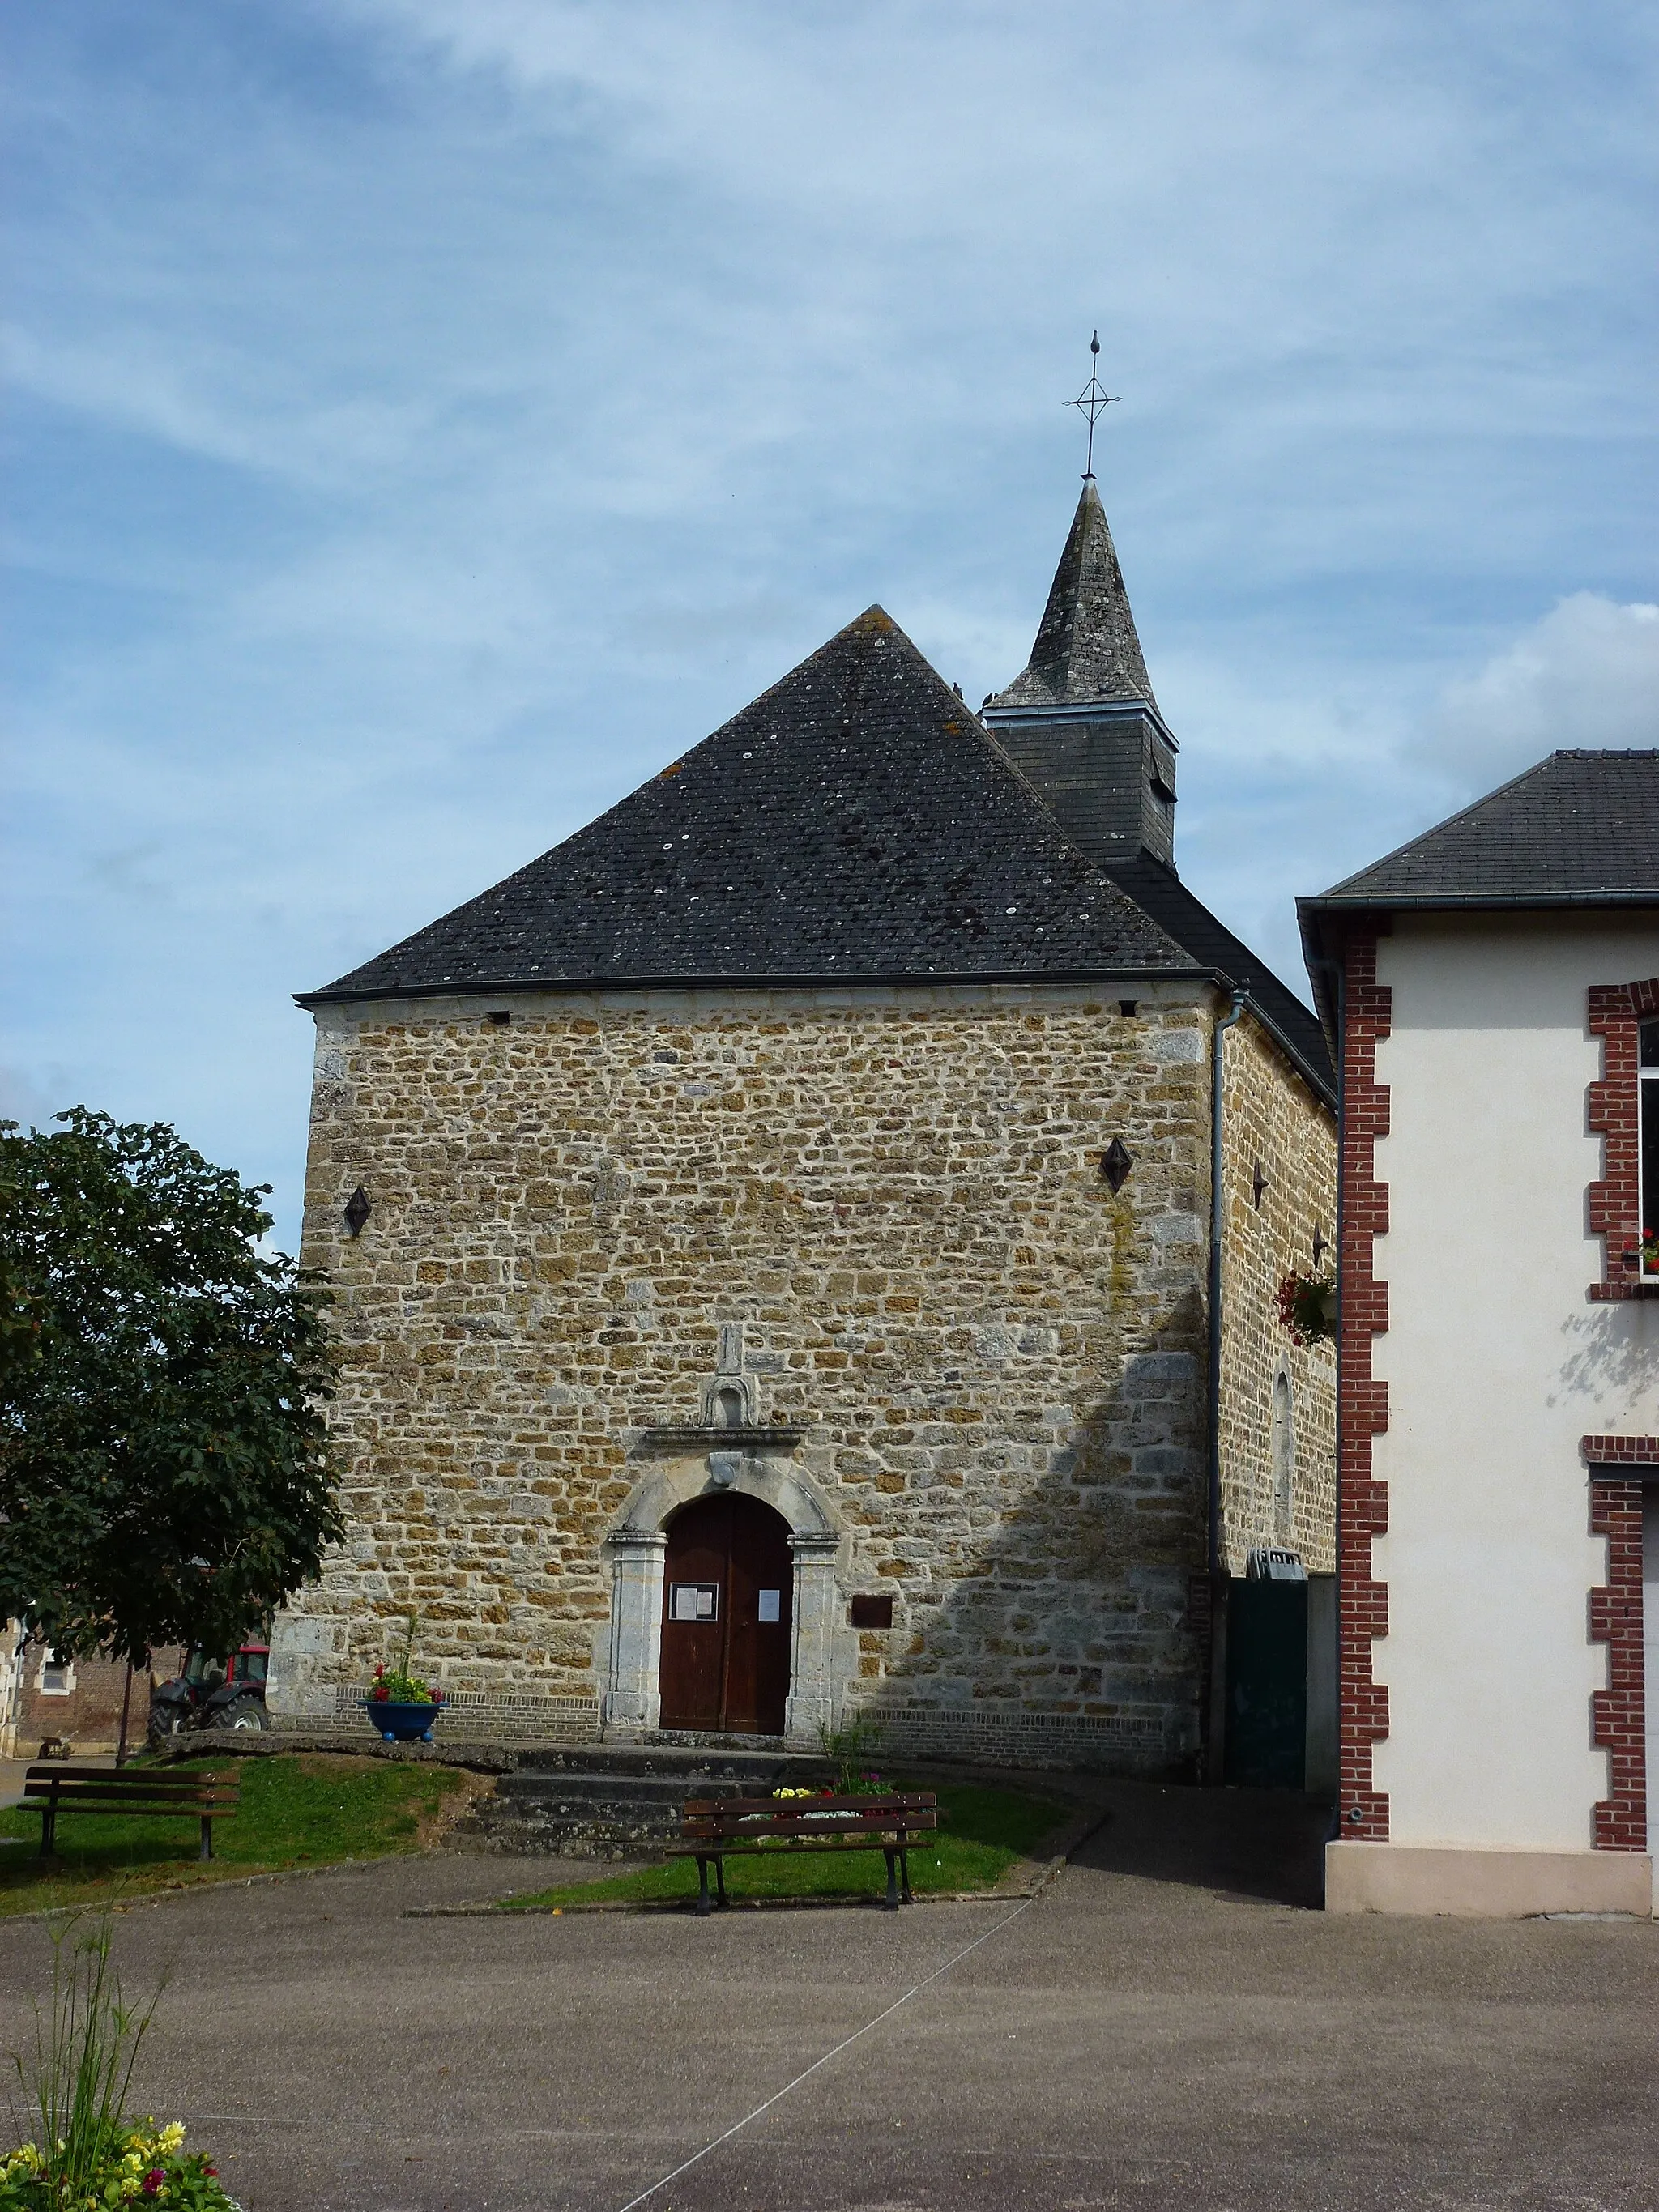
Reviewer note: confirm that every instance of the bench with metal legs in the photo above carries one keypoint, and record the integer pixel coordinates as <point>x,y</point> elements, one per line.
<point>716,1829</point>
<point>177,1794</point>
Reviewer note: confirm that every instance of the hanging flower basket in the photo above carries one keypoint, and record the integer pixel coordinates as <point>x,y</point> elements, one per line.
<point>1306,1308</point>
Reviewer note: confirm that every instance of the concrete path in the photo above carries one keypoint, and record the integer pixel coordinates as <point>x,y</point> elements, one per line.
<point>1168,2026</point>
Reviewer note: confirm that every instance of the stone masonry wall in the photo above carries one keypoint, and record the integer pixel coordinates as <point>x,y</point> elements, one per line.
<point>999,1364</point>
<point>1272,1120</point>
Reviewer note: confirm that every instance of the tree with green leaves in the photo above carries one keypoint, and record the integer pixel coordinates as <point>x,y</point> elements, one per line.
<point>163,1450</point>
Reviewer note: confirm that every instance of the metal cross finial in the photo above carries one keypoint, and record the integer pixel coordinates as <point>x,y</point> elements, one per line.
<point>1093,401</point>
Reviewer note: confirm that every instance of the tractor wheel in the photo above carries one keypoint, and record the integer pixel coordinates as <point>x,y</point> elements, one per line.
<point>241,1713</point>
<point>166,1721</point>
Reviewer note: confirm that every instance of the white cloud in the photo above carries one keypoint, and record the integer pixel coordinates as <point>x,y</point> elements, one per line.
<point>433,414</point>
<point>1586,674</point>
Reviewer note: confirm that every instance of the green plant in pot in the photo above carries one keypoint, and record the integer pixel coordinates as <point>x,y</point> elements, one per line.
<point>400,1704</point>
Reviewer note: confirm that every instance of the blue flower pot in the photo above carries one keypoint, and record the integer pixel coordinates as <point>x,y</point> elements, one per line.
<point>401,1724</point>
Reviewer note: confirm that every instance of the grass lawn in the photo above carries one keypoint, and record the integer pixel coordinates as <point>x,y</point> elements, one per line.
<point>982,1833</point>
<point>297,1809</point>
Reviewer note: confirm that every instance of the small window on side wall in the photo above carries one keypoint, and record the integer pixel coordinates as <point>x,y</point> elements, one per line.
<point>1648,1154</point>
<point>1282,1451</point>
<point>57,1674</point>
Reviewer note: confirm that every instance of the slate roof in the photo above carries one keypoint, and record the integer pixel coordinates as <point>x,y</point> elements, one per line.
<point>1087,647</point>
<point>1158,892</point>
<point>1580,828</point>
<point>856,823</point>
<point>857,820</point>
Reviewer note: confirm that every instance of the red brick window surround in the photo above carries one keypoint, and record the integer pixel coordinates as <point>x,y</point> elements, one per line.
<point>1616,1465</point>
<point>1617,1014</point>
<point>1363,1402</point>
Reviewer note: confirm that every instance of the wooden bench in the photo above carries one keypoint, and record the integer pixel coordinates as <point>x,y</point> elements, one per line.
<point>715,1829</point>
<point>50,1790</point>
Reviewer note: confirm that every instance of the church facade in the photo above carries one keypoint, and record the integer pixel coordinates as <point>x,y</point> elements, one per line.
<point>782,1275</point>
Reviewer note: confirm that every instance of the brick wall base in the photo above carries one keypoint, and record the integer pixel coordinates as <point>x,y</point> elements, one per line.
<point>1126,1744</point>
<point>473,1715</point>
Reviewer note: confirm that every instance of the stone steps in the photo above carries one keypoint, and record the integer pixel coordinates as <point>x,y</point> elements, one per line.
<point>624,1801</point>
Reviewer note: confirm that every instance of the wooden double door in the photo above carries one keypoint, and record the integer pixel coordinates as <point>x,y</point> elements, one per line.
<point>725,1616</point>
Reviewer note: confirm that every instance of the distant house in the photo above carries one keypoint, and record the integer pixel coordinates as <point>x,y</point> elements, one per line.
<point>44,1693</point>
<point>1494,987</point>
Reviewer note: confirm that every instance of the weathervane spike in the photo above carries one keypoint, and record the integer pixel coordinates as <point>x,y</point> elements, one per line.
<point>1093,403</point>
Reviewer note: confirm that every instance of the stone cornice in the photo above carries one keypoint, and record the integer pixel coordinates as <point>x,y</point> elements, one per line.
<point>696,1439</point>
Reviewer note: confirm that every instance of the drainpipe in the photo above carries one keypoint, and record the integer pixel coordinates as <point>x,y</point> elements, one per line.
<point>1218,1072</point>
<point>1215,1750</point>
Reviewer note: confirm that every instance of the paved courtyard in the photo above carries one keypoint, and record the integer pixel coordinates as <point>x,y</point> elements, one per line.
<point>1167,2026</point>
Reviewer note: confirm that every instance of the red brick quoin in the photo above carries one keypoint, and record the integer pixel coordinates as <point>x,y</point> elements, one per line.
<point>1616,1012</point>
<point>1363,1404</point>
<point>1615,1620</point>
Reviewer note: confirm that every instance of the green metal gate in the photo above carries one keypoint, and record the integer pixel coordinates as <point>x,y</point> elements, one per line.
<point>1266,1685</point>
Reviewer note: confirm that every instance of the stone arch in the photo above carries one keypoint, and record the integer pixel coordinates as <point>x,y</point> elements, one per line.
<point>668,1484</point>
<point>637,1544</point>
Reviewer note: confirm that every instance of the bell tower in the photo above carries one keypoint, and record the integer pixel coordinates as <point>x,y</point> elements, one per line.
<point>1079,721</point>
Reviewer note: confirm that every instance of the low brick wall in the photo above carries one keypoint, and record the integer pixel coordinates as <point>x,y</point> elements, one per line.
<point>511,1717</point>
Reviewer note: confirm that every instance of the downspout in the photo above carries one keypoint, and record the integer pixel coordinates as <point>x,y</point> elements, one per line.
<point>1214,1750</point>
<point>1218,1075</point>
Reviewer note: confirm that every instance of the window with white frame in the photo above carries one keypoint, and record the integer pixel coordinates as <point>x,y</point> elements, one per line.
<point>1648,1150</point>
<point>57,1673</point>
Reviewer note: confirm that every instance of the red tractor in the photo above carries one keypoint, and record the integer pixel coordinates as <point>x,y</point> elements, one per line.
<point>212,1693</point>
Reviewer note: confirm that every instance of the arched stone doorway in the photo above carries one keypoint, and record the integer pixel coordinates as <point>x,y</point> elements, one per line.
<point>727,1616</point>
<point>637,1550</point>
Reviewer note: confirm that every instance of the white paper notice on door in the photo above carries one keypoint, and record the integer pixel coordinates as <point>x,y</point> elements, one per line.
<point>771,1605</point>
<point>694,1600</point>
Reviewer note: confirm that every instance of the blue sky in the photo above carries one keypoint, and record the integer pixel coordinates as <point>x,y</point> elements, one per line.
<point>427,417</point>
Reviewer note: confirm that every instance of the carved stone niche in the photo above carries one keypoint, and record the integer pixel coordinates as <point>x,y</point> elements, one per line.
<point>729,1401</point>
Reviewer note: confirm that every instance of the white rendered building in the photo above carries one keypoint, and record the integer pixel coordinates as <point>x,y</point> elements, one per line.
<point>1493,988</point>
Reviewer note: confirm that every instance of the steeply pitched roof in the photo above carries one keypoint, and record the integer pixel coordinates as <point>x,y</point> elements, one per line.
<point>1086,644</point>
<point>1158,892</point>
<point>1580,828</point>
<point>855,822</point>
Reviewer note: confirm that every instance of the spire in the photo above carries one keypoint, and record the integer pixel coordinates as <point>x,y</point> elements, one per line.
<point>1086,647</point>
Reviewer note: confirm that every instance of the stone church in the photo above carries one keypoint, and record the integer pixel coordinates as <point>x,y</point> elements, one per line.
<point>807,1246</point>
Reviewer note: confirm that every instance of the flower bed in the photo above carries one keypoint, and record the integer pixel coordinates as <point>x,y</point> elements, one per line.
<point>139,2165</point>
<point>86,2156</point>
